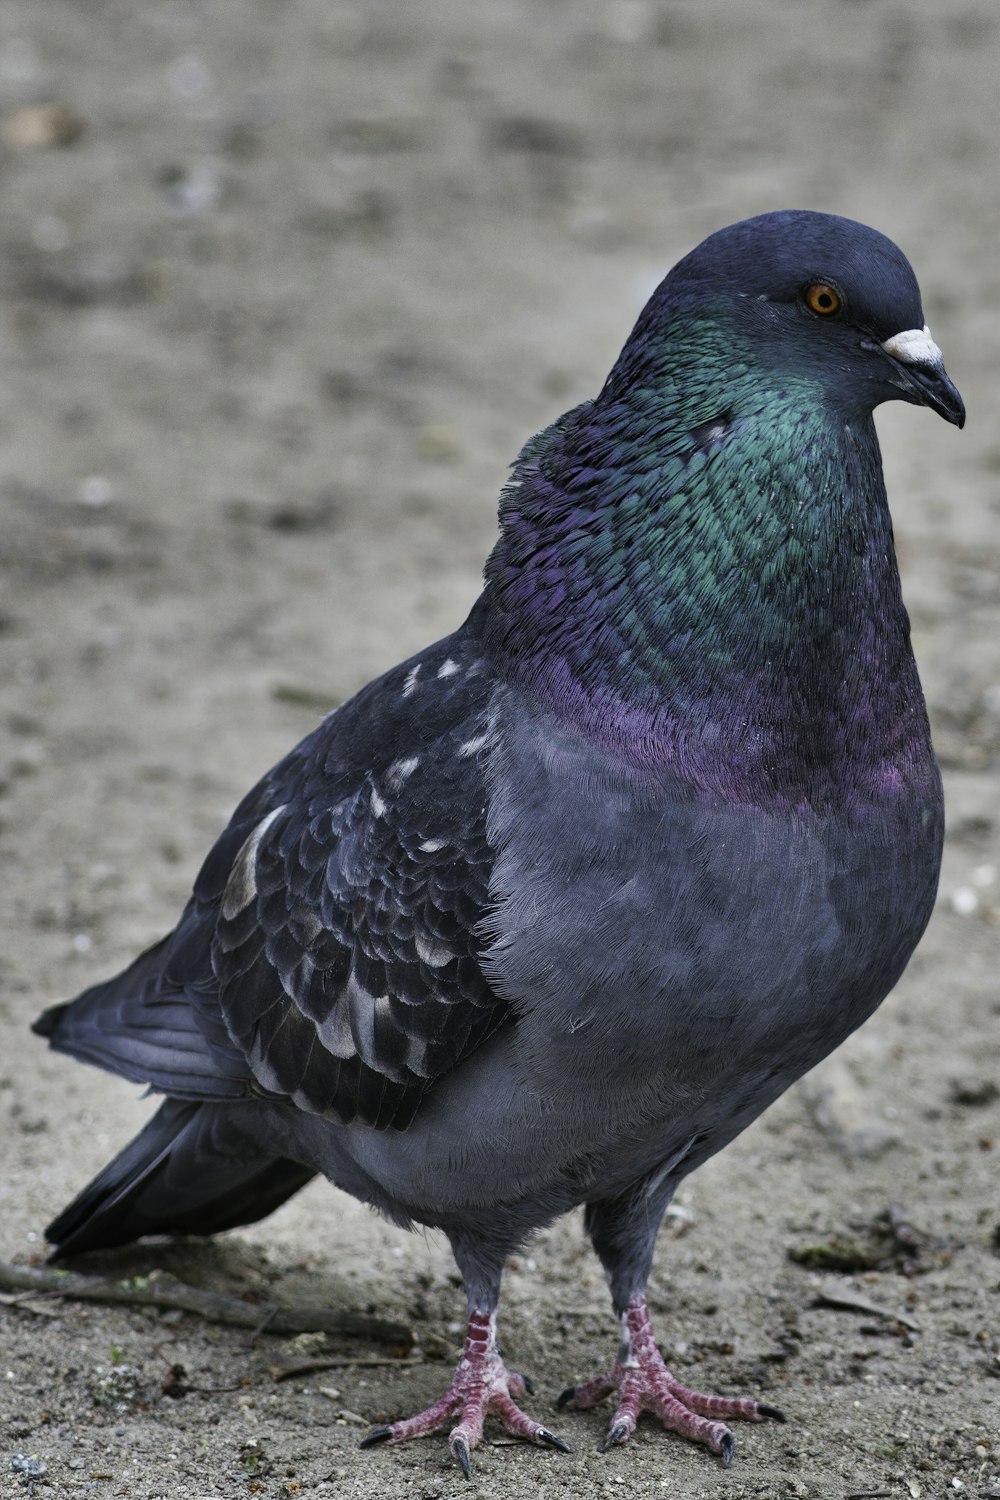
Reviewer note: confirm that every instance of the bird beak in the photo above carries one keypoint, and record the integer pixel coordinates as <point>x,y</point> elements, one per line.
<point>922,377</point>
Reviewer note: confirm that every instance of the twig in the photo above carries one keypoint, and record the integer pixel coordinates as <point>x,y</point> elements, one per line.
<point>29,1303</point>
<point>287,1369</point>
<point>159,1289</point>
<point>829,1295</point>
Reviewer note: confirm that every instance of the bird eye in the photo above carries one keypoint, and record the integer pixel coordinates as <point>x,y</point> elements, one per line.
<point>823,299</point>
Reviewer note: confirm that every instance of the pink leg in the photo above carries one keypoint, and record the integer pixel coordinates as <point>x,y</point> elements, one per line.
<point>644,1383</point>
<point>482,1386</point>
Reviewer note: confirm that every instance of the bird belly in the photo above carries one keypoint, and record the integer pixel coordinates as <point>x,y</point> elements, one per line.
<point>665,992</point>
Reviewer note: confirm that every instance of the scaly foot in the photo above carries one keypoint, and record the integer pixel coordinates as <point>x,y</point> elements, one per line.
<point>482,1385</point>
<point>644,1383</point>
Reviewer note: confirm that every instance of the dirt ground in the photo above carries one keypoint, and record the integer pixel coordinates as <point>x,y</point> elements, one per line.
<point>284,284</point>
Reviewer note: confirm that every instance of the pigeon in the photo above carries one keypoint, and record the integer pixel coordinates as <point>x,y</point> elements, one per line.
<point>545,916</point>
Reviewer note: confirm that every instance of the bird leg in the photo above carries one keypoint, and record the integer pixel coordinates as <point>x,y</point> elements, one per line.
<point>482,1386</point>
<point>644,1383</point>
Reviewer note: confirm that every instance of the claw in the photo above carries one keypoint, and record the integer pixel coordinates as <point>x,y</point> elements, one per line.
<point>774,1412</point>
<point>529,1385</point>
<point>566,1397</point>
<point>619,1433</point>
<point>377,1435</point>
<point>727,1447</point>
<point>460,1452</point>
<point>545,1436</point>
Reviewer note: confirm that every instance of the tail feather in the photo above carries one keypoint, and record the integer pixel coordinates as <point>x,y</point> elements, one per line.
<point>151,1026</point>
<point>196,1168</point>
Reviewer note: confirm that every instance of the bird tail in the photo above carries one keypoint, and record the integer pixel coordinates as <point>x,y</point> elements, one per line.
<point>196,1168</point>
<point>145,1026</point>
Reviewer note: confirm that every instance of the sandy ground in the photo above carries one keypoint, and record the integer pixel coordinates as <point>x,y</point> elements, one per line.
<point>273,325</point>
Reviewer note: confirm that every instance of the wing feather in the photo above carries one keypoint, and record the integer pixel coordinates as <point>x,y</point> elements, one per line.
<point>346,945</point>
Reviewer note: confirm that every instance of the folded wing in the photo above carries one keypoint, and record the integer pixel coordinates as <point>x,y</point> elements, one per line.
<point>330,952</point>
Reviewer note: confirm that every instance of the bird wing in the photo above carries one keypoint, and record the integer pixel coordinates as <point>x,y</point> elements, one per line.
<point>330,952</point>
<point>347,898</point>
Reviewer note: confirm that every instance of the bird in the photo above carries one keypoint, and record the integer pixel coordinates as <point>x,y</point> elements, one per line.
<point>546,915</point>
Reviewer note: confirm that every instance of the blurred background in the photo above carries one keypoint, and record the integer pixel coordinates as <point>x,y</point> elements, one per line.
<point>284,285</point>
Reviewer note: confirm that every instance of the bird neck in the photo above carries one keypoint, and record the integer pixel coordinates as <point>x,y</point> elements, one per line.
<point>723,603</point>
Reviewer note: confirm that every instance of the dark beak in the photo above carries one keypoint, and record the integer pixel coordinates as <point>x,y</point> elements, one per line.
<point>920,375</point>
<point>931,387</point>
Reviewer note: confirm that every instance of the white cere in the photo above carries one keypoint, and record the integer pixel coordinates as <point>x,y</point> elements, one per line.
<point>400,770</point>
<point>448,668</point>
<point>378,804</point>
<point>431,846</point>
<point>410,681</point>
<point>914,346</point>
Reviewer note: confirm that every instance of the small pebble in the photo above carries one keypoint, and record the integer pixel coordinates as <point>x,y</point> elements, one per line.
<point>32,1467</point>
<point>974,1091</point>
<point>95,491</point>
<point>37,126</point>
<point>193,190</point>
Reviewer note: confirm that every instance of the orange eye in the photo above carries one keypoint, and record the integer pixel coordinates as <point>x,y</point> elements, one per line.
<point>823,299</point>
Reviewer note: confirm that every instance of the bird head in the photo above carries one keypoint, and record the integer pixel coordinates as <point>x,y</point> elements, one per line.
<point>808,295</point>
